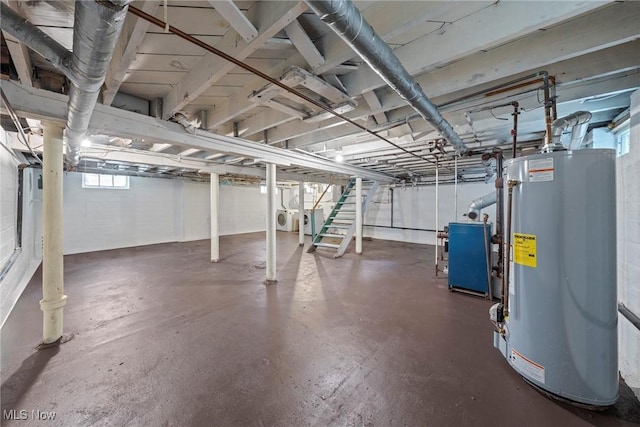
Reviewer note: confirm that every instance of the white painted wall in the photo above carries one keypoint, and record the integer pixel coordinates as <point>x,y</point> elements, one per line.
<point>30,256</point>
<point>415,207</point>
<point>153,210</point>
<point>98,219</point>
<point>628,222</point>
<point>242,210</point>
<point>196,216</point>
<point>8,201</point>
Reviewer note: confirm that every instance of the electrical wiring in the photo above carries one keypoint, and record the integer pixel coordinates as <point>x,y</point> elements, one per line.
<point>16,122</point>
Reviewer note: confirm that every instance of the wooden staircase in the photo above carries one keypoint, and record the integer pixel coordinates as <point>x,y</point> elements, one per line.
<point>340,226</point>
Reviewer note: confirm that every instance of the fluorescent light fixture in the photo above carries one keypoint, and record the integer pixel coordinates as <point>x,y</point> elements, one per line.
<point>339,157</point>
<point>86,143</point>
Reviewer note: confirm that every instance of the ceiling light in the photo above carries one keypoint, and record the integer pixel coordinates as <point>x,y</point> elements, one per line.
<point>86,143</point>
<point>339,157</point>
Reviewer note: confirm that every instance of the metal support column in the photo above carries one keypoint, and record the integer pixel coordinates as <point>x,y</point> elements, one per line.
<point>359,215</point>
<point>53,298</point>
<point>437,219</point>
<point>301,213</point>
<point>455,188</point>
<point>215,203</point>
<point>271,222</point>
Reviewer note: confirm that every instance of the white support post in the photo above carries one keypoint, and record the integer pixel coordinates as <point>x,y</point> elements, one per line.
<point>271,222</point>
<point>301,213</point>
<point>53,298</point>
<point>215,203</point>
<point>437,219</point>
<point>455,187</point>
<point>359,214</point>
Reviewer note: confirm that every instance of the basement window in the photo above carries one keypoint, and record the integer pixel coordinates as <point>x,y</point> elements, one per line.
<point>623,139</point>
<point>99,180</point>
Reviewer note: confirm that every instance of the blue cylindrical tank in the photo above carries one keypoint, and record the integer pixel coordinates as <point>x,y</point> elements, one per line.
<point>562,326</point>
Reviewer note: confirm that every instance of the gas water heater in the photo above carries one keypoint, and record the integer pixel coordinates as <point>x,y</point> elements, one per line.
<point>557,326</point>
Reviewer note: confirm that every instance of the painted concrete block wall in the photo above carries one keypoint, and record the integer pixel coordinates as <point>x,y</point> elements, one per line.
<point>628,223</point>
<point>28,259</point>
<point>99,219</point>
<point>196,212</point>
<point>8,201</point>
<point>153,210</point>
<point>415,207</point>
<point>242,210</point>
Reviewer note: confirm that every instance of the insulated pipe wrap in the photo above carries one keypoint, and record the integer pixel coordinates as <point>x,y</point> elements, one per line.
<point>97,26</point>
<point>346,20</point>
<point>480,203</point>
<point>577,121</point>
<point>34,38</point>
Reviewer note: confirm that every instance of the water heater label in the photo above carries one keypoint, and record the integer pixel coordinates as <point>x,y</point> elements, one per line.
<point>527,367</point>
<point>541,170</point>
<point>524,249</point>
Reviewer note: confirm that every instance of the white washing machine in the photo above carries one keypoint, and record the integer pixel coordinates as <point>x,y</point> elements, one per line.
<point>286,220</point>
<point>319,219</point>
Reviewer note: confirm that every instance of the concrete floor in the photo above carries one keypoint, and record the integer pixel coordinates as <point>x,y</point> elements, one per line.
<point>161,337</point>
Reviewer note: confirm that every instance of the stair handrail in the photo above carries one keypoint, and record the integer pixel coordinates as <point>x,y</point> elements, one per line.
<point>323,193</point>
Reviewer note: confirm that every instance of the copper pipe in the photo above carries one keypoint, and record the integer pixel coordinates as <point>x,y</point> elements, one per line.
<point>505,290</point>
<point>514,131</point>
<point>514,87</point>
<point>554,110</point>
<point>547,109</point>
<point>507,86</point>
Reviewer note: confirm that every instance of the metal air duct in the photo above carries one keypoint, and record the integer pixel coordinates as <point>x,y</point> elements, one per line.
<point>480,203</point>
<point>97,26</point>
<point>578,122</point>
<point>345,19</point>
<point>35,39</point>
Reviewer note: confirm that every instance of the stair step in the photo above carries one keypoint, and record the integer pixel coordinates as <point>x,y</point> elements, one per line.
<point>346,203</point>
<point>326,245</point>
<point>346,211</point>
<point>342,227</point>
<point>333,236</point>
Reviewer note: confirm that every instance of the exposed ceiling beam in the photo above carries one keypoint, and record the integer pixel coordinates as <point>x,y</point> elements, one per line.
<point>20,57</point>
<point>234,16</point>
<point>269,17</point>
<point>260,121</point>
<point>47,105</point>
<point>376,108</point>
<point>124,54</point>
<point>386,17</point>
<point>470,35</point>
<point>22,61</point>
<point>389,19</point>
<point>188,152</point>
<point>338,137</point>
<point>303,43</point>
<point>158,148</point>
<point>141,157</point>
<point>601,51</point>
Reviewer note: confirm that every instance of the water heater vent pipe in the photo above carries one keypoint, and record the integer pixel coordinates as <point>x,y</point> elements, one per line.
<point>578,122</point>
<point>480,203</point>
